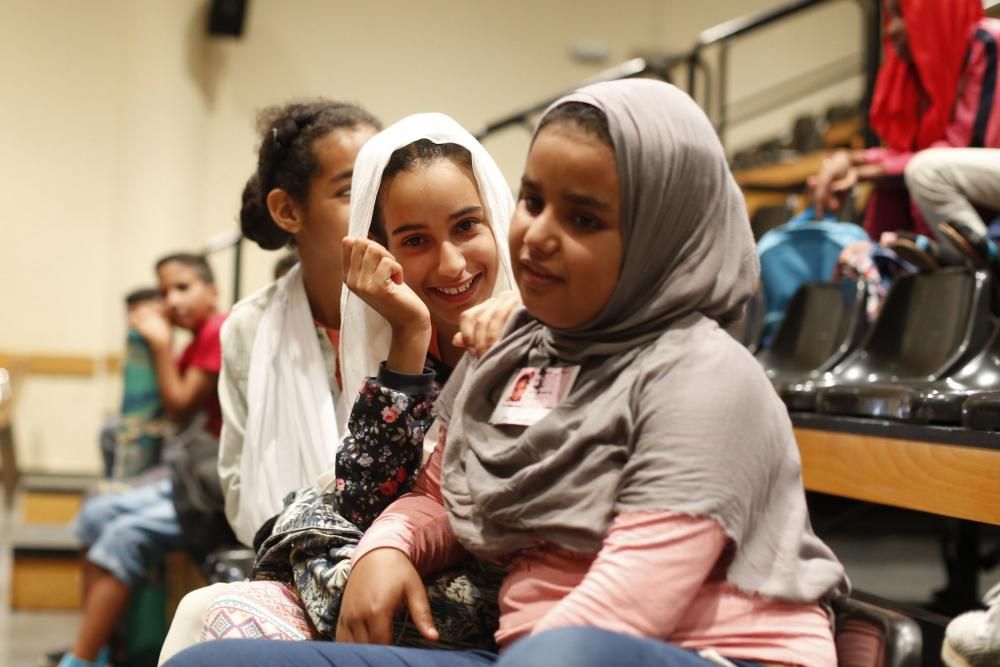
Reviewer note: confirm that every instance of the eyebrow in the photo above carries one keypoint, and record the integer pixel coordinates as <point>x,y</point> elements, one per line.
<point>347,173</point>
<point>402,229</point>
<point>465,211</point>
<point>575,198</point>
<point>414,226</point>
<point>584,200</point>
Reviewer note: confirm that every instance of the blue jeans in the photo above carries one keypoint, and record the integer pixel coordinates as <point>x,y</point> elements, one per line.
<point>129,532</point>
<point>572,647</point>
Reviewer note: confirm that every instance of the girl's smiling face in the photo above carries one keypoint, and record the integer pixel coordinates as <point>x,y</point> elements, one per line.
<point>565,238</point>
<point>435,226</point>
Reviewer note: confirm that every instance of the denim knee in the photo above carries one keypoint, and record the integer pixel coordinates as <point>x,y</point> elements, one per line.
<point>127,549</point>
<point>593,647</point>
<point>94,516</point>
<point>578,646</point>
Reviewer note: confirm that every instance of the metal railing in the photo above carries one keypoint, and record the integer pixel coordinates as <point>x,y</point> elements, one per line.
<point>722,35</point>
<point>224,241</point>
<point>627,70</point>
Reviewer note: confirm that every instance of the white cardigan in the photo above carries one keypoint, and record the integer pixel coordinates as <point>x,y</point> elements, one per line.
<point>238,335</point>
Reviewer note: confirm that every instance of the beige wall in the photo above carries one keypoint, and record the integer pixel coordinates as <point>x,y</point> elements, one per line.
<point>473,60</point>
<point>127,134</point>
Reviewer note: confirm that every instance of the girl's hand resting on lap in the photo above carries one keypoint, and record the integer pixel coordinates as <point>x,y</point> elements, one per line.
<point>378,586</point>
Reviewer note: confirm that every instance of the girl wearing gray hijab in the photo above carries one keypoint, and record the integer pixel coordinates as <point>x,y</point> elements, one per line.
<point>643,489</point>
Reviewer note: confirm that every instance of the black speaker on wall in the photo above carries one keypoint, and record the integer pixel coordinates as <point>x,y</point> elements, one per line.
<point>226,17</point>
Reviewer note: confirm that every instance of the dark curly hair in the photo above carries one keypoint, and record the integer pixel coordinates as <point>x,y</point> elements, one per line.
<point>141,295</point>
<point>286,159</point>
<point>420,152</point>
<point>587,117</point>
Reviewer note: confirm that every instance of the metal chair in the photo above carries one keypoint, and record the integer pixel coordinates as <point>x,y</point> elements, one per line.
<point>931,324</point>
<point>935,402</point>
<point>871,636</point>
<point>823,323</point>
<point>767,217</point>
<point>228,564</point>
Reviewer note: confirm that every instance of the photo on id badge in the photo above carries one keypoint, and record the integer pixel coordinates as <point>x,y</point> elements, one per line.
<point>531,393</point>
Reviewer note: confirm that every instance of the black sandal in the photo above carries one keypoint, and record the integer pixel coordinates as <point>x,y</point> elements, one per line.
<point>918,250</point>
<point>971,244</point>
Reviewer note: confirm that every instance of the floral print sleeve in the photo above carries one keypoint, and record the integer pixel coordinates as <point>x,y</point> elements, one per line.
<point>382,453</point>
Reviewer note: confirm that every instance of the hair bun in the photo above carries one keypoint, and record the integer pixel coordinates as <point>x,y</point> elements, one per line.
<point>255,220</point>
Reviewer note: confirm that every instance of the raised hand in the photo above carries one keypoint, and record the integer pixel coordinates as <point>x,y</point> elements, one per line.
<point>372,273</point>
<point>148,319</point>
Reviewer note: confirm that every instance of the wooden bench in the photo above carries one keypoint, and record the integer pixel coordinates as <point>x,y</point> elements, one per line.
<point>52,499</point>
<point>948,471</point>
<point>47,570</point>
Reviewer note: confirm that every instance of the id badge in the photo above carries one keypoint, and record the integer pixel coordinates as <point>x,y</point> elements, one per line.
<point>531,393</point>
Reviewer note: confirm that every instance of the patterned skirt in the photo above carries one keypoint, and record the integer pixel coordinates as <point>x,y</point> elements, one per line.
<point>301,572</point>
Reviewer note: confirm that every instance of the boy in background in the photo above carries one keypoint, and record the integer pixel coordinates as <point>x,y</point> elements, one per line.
<point>131,441</point>
<point>128,533</point>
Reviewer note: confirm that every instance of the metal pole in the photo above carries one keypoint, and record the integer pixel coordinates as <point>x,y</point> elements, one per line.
<point>743,24</point>
<point>871,17</point>
<point>723,92</point>
<point>693,73</point>
<point>237,268</point>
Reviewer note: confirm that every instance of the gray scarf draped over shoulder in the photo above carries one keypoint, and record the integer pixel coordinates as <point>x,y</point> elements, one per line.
<point>668,413</point>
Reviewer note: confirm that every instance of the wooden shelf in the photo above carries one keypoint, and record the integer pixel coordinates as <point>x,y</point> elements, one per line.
<point>936,474</point>
<point>789,176</point>
<point>66,365</point>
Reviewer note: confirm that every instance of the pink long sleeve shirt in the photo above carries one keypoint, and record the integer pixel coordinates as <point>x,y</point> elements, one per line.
<point>658,574</point>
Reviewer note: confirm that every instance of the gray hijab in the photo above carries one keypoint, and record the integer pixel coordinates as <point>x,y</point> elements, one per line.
<point>668,412</point>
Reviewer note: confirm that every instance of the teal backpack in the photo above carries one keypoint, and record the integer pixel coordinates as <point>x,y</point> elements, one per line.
<point>800,251</point>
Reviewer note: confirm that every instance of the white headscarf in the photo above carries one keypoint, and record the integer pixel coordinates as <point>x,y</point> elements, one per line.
<point>364,334</point>
<point>292,432</point>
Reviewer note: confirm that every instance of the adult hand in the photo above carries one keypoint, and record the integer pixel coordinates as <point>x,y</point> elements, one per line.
<point>379,584</point>
<point>481,325</point>
<point>829,188</point>
<point>148,319</point>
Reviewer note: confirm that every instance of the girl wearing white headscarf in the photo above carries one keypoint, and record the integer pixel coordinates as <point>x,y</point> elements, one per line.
<point>380,161</point>
<point>453,264</point>
<point>645,492</point>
